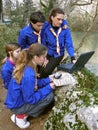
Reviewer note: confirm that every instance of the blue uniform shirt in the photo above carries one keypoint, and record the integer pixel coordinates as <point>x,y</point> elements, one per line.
<point>24,93</point>
<point>27,37</point>
<point>6,72</point>
<point>65,40</point>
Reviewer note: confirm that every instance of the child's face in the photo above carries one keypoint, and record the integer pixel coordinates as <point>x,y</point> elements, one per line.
<point>37,26</point>
<point>40,60</point>
<point>16,53</point>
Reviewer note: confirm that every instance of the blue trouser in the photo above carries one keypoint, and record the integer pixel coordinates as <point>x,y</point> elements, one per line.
<point>36,109</point>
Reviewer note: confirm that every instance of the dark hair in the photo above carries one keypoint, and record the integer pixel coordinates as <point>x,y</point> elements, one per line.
<point>54,12</point>
<point>37,17</point>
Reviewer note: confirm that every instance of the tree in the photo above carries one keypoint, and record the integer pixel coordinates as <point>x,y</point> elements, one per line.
<point>28,7</point>
<point>1,14</point>
<point>48,5</point>
<point>17,12</point>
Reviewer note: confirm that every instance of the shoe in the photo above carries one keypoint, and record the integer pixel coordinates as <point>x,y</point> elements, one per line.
<point>21,123</point>
<point>25,118</point>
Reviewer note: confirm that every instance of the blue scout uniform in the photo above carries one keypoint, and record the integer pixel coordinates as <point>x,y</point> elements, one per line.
<point>27,36</point>
<point>6,72</point>
<point>24,93</point>
<point>64,39</point>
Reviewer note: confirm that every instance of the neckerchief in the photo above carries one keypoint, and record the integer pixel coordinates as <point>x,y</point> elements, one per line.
<point>39,38</point>
<point>57,40</point>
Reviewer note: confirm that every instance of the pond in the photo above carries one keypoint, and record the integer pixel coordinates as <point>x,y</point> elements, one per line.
<point>90,44</point>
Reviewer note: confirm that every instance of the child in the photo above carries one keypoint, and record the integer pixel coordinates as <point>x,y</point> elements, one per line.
<point>22,98</point>
<point>31,32</point>
<point>12,53</point>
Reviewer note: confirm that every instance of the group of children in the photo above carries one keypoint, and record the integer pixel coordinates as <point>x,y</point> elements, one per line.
<point>26,69</point>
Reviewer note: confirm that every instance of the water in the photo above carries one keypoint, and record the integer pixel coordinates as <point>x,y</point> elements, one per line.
<point>89,44</point>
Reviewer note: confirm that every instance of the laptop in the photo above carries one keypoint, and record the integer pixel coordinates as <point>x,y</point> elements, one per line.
<point>80,63</point>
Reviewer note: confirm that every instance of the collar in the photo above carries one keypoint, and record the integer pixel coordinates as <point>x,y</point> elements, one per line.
<point>13,63</point>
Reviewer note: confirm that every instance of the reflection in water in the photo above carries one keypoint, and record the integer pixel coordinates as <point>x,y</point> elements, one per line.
<point>89,44</point>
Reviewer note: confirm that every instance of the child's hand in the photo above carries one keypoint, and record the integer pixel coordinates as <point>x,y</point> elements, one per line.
<point>52,85</point>
<point>36,88</point>
<point>45,63</point>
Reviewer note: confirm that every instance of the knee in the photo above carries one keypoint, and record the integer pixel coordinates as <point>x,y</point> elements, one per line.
<point>51,97</point>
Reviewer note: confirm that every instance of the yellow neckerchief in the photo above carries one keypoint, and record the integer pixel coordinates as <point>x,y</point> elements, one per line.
<point>39,37</point>
<point>57,40</point>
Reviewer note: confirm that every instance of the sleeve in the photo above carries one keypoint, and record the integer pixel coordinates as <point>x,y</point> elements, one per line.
<point>42,82</point>
<point>31,96</point>
<point>68,42</point>
<point>22,40</point>
<point>72,58</point>
<point>6,76</point>
<point>64,22</point>
<point>43,33</point>
<point>44,39</point>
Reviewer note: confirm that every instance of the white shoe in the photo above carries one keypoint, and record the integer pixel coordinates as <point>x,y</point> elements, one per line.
<point>25,118</point>
<point>21,123</point>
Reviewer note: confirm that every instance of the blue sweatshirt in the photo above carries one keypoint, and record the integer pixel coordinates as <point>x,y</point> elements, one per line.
<point>24,93</point>
<point>6,72</point>
<point>65,39</point>
<point>27,37</point>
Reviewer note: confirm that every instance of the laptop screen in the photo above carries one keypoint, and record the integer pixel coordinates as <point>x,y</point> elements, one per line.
<point>80,63</point>
<point>83,59</point>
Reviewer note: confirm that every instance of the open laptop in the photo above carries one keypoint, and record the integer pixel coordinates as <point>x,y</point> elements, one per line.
<point>80,63</point>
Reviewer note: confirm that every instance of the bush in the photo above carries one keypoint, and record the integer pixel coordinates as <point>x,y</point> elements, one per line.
<point>8,34</point>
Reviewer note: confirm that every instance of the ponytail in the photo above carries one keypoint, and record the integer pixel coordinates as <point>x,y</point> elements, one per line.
<point>20,65</point>
<point>23,60</point>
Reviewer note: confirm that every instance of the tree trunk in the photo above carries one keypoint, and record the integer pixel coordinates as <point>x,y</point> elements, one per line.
<point>1,11</point>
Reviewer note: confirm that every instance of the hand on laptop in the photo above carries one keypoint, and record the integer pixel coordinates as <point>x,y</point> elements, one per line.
<point>74,61</point>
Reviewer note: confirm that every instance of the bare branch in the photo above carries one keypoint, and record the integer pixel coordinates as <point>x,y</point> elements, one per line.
<point>88,30</point>
<point>82,3</point>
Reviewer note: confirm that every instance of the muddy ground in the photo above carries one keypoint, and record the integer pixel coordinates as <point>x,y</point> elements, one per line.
<point>7,124</point>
